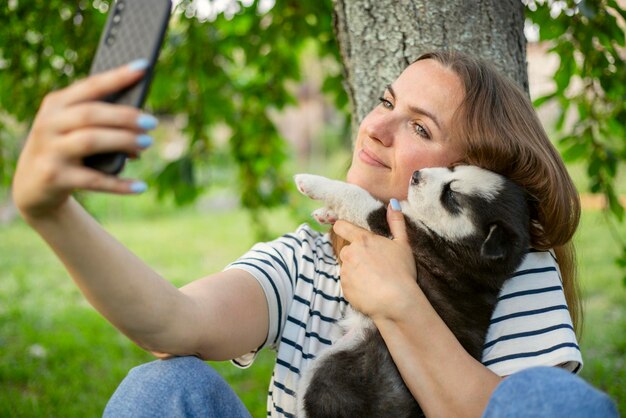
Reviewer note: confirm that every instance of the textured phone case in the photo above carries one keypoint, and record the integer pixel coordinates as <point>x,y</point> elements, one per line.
<point>134,29</point>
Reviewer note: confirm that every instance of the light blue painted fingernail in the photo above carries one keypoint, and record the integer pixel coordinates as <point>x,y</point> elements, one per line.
<point>138,65</point>
<point>138,187</point>
<point>147,122</point>
<point>144,141</point>
<point>395,205</point>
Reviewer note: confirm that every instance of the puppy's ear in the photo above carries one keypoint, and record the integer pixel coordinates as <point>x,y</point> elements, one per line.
<point>496,244</point>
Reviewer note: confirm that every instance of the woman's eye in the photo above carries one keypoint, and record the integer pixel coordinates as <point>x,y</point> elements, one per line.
<point>420,130</point>
<point>385,103</point>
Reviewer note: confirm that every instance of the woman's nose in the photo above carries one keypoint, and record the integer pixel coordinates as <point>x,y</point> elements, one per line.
<point>379,127</point>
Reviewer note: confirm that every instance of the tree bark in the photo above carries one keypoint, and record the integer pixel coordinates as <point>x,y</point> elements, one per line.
<point>379,38</point>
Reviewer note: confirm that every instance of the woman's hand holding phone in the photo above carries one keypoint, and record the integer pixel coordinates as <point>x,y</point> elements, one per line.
<point>72,124</point>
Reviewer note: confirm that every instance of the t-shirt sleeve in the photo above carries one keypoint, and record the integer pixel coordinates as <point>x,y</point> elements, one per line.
<point>275,266</point>
<point>531,325</point>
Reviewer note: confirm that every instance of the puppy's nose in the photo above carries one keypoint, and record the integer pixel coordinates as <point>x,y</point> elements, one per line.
<point>415,178</point>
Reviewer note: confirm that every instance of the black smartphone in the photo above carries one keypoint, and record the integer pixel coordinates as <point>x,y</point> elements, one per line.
<point>134,30</point>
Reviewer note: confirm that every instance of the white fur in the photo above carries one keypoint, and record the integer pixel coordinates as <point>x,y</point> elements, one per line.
<point>472,180</point>
<point>424,205</point>
<point>334,193</point>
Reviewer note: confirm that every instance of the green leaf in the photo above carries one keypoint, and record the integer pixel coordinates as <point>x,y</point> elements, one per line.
<point>621,263</point>
<point>538,102</point>
<point>612,27</point>
<point>177,177</point>
<point>575,151</point>
<point>611,162</point>
<point>613,5</point>
<point>560,121</point>
<point>564,73</point>
<point>584,109</point>
<point>588,9</point>
<point>614,204</point>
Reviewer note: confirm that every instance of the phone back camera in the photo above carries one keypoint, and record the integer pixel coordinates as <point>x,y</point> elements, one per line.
<point>117,18</point>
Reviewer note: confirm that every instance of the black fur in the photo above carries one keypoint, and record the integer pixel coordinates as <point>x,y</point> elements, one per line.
<point>339,390</point>
<point>462,281</point>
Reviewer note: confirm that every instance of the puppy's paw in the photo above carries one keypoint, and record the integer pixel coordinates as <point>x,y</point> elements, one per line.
<point>325,216</point>
<point>311,185</point>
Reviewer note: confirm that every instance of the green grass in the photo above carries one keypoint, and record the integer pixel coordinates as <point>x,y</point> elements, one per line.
<point>604,338</point>
<point>59,358</point>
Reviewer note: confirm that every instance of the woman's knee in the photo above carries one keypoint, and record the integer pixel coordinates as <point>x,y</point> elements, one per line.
<point>180,386</point>
<point>548,391</point>
<point>177,373</point>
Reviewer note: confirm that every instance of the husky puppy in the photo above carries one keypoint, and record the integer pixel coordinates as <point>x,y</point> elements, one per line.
<point>468,229</point>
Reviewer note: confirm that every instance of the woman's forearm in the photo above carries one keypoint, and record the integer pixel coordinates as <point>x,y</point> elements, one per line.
<point>118,284</point>
<point>441,375</point>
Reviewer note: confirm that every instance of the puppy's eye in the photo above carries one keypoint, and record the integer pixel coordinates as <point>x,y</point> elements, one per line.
<point>449,199</point>
<point>447,193</point>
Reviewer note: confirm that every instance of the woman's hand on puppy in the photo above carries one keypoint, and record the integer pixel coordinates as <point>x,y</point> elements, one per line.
<point>377,273</point>
<point>70,125</point>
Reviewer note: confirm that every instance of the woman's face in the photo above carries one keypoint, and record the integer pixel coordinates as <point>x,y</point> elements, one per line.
<point>407,131</point>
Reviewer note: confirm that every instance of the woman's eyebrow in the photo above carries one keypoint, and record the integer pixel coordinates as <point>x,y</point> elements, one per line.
<point>417,109</point>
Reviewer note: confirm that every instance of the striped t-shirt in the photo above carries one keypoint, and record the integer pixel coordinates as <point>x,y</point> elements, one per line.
<point>299,274</point>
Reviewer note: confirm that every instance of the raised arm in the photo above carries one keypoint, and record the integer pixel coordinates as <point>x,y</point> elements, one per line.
<point>218,317</point>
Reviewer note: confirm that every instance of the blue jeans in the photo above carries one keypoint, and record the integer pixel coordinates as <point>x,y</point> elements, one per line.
<point>175,388</point>
<point>188,387</point>
<point>548,392</point>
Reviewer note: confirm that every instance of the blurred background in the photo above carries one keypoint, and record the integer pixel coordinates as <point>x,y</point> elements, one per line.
<point>249,93</point>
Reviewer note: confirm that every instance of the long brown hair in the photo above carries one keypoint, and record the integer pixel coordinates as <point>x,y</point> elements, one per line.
<point>499,130</point>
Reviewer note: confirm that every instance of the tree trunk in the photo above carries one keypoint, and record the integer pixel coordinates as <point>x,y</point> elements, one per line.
<point>379,38</point>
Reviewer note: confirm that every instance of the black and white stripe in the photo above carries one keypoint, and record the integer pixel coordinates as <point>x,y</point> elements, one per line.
<point>531,325</point>
<point>300,277</point>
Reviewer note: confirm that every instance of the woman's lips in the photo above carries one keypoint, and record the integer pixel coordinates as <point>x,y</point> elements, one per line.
<point>371,159</point>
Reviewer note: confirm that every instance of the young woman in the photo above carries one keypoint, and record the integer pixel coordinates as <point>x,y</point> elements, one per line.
<point>444,109</point>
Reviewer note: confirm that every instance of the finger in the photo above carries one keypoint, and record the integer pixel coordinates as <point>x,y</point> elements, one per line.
<point>101,85</point>
<point>89,179</point>
<point>348,231</point>
<point>104,115</point>
<point>395,219</point>
<point>84,142</point>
